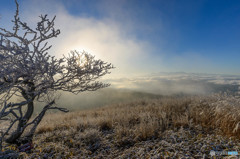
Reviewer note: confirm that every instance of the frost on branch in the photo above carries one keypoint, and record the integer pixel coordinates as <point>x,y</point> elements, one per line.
<point>30,73</point>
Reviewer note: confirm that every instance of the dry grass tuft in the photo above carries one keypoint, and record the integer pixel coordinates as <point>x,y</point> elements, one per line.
<point>147,119</point>
<point>122,126</point>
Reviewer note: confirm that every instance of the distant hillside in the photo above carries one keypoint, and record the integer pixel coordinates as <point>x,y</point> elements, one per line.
<point>107,96</point>
<point>103,97</point>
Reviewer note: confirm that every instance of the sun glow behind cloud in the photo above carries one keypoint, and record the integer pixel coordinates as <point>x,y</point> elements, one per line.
<point>104,38</point>
<point>138,37</point>
<point>116,36</point>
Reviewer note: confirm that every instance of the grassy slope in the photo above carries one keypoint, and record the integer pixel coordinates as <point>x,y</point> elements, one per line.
<point>127,129</point>
<point>103,97</point>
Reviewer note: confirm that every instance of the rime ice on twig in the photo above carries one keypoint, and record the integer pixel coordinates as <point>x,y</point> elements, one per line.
<point>30,72</point>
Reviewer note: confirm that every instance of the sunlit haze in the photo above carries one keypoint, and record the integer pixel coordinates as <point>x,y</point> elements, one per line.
<point>143,37</point>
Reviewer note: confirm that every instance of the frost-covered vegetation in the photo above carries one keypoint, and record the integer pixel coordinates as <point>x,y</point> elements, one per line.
<point>168,126</point>
<point>28,72</point>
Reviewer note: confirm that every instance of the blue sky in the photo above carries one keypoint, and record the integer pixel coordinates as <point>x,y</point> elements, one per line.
<point>145,36</point>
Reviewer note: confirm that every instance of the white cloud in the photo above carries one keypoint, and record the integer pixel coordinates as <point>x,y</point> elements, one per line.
<point>105,38</point>
<point>175,83</point>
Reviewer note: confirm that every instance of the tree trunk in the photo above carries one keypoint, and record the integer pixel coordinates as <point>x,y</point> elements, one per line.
<point>13,138</point>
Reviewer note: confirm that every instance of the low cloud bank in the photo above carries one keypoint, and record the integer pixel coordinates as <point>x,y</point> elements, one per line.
<point>151,86</point>
<point>179,83</point>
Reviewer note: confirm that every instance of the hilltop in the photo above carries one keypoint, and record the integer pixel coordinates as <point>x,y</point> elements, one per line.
<point>154,128</point>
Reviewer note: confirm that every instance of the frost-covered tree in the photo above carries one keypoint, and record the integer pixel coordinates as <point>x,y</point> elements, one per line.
<point>29,73</point>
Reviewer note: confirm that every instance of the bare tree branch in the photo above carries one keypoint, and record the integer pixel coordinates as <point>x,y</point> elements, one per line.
<point>30,72</point>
